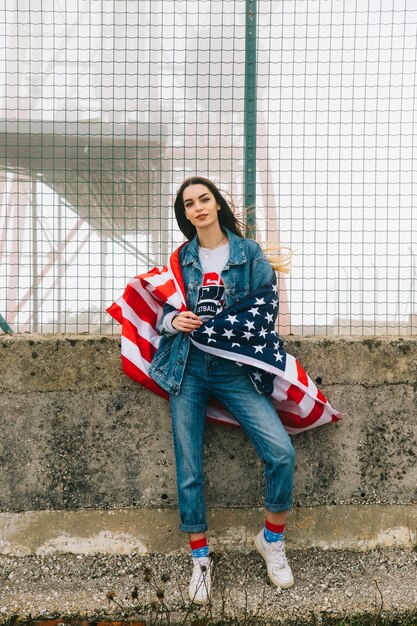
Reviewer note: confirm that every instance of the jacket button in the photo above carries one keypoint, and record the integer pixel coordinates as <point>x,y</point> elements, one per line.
<point>180,362</point>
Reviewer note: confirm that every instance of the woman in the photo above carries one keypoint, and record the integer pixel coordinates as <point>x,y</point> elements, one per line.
<point>219,268</point>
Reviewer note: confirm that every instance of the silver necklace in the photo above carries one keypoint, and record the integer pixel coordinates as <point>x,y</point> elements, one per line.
<point>208,251</point>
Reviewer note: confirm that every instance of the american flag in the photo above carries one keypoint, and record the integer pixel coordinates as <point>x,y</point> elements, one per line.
<point>244,333</point>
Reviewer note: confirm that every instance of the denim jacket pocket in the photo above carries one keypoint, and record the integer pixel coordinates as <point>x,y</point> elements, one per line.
<point>168,364</point>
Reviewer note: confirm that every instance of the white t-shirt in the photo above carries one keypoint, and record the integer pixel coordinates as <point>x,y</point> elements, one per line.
<point>210,300</point>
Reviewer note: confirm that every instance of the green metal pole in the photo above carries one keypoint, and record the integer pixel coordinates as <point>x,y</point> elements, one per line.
<point>250,118</point>
<point>5,326</point>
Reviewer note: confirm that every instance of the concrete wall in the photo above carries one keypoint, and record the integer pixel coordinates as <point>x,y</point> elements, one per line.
<point>77,434</point>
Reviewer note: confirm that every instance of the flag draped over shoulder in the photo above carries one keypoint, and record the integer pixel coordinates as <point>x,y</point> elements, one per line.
<point>138,311</point>
<point>244,333</point>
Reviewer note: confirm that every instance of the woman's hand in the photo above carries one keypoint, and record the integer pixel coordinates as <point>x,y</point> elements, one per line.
<point>186,322</point>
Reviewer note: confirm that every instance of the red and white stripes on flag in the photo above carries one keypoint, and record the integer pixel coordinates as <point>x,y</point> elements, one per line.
<point>138,311</point>
<point>298,402</point>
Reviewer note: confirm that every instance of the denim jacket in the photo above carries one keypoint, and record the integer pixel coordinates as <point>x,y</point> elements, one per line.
<point>247,269</point>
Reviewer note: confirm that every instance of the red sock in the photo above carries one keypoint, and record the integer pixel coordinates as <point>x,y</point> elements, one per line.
<point>198,543</point>
<point>274,528</point>
<point>199,547</point>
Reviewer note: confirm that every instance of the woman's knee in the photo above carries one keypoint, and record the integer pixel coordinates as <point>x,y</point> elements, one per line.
<point>282,455</point>
<point>291,454</point>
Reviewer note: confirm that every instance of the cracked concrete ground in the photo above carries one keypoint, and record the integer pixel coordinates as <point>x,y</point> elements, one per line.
<point>332,587</point>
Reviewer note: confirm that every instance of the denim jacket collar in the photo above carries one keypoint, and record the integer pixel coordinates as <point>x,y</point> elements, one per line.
<point>237,254</point>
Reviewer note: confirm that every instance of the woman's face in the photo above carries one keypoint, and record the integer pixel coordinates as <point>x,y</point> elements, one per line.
<point>200,206</point>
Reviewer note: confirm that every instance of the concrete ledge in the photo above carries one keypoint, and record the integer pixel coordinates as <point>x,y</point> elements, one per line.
<point>146,531</point>
<point>29,362</point>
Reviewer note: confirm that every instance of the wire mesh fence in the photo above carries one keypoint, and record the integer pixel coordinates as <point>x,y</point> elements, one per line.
<point>107,105</point>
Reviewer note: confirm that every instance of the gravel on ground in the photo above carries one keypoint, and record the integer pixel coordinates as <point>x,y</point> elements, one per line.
<point>331,587</point>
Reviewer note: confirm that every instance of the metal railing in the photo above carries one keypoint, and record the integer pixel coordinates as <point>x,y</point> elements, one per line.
<point>303,111</point>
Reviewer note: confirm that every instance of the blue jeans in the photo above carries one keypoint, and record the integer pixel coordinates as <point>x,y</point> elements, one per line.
<point>207,375</point>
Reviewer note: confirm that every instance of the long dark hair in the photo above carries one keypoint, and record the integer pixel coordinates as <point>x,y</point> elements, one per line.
<point>227,218</point>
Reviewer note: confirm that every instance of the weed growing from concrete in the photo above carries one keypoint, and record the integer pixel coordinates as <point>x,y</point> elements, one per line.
<point>151,607</point>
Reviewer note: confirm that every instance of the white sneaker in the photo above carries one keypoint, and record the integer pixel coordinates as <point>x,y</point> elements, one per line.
<point>277,565</point>
<point>199,588</point>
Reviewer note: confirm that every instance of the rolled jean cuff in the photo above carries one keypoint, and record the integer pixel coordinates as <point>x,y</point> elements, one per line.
<point>278,508</point>
<point>196,528</point>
